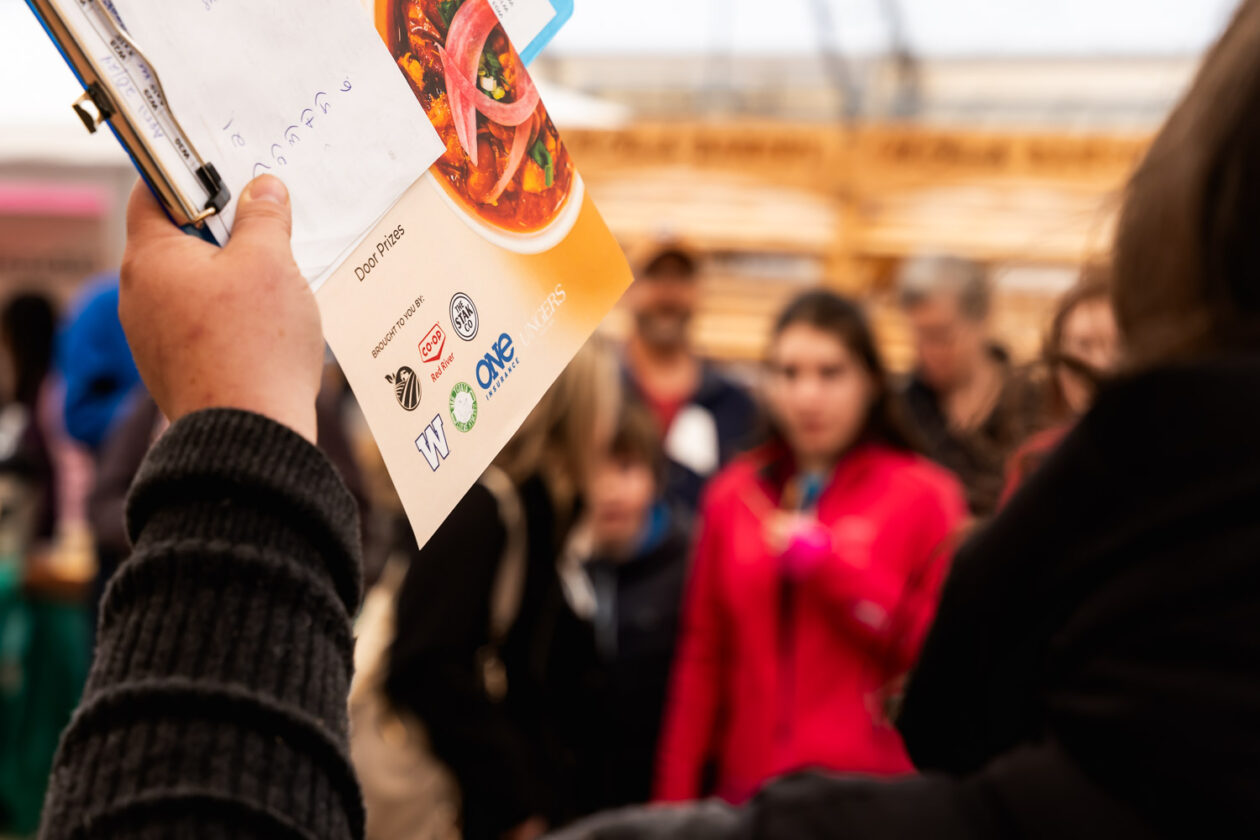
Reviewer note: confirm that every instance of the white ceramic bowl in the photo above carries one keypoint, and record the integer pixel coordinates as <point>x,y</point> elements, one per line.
<point>535,242</point>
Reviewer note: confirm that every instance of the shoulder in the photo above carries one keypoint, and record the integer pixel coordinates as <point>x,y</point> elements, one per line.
<point>1040,443</point>
<point>479,505</point>
<point>918,480</point>
<point>741,477</point>
<point>718,389</point>
<point>919,400</point>
<point>914,388</point>
<point>474,529</point>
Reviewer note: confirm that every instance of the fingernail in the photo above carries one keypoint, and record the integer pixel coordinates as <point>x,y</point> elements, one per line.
<point>267,188</point>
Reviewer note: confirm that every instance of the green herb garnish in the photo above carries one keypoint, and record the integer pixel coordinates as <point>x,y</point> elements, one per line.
<point>490,65</point>
<point>447,9</point>
<point>490,68</point>
<point>542,157</point>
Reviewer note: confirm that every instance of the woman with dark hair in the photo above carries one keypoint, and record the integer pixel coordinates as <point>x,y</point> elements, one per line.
<point>1094,667</point>
<point>815,576</point>
<point>1092,672</point>
<point>1081,350</point>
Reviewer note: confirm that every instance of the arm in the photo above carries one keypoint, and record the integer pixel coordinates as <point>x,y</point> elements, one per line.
<point>216,706</point>
<point>442,620</point>
<point>692,710</point>
<point>216,702</point>
<point>889,609</point>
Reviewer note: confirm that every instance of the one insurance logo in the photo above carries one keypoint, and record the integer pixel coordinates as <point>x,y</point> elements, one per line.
<point>497,365</point>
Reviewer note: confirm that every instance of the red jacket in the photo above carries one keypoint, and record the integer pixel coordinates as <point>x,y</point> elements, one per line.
<point>1031,455</point>
<point>772,676</point>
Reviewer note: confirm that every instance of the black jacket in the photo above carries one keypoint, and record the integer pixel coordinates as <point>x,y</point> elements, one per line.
<point>520,757</point>
<point>979,457</point>
<point>734,418</point>
<point>636,632</point>
<point>1094,670</point>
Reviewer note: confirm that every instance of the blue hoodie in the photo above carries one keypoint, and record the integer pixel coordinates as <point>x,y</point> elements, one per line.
<point>95,361</point>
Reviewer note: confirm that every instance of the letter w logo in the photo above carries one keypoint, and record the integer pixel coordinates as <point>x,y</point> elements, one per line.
<point>432,444</point>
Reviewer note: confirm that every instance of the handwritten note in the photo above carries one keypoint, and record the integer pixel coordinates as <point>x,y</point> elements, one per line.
<point>304,129</point>
<point>302,89</point>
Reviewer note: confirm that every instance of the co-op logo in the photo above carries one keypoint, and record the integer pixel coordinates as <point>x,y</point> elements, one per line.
<point>496,365</point>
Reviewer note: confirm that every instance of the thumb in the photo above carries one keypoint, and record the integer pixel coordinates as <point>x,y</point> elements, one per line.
<point>264,217</point>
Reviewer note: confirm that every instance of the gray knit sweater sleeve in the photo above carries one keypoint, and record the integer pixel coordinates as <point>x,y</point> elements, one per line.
<point>216,705</point>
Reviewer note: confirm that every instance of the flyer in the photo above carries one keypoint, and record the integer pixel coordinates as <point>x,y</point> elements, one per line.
<point>477,288</point>
<point>456,258</point>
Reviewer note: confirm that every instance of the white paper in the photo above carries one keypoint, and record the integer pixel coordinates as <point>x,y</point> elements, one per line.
<point>301,89</point>
<point>523,19</point>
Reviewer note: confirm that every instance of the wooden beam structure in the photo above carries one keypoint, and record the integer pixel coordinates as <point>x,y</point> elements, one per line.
<point>845,206</point>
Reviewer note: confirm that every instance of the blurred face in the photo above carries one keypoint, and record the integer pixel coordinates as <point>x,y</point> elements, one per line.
<point>1089,334</point>
<point>818,392</point>
<point>621,494</point>
<point>663,305</point>
<point>949,345</point>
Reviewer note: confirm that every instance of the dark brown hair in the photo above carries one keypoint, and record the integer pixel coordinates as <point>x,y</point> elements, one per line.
<point>1187,252</point>
<point>844,320</point>
<point>672,260</point>
<point>636,439</point>
<point>29,324</point>
<point>1094,284</point>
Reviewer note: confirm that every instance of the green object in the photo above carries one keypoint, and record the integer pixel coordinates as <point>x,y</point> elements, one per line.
<point>490,65</point>
<point>448,8</point>
<point>463,407</point>
<point>44,659</point>
<point>543,158</point>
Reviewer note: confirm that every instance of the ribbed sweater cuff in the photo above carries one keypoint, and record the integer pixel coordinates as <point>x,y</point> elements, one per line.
<point>227,456</point>
<point>216,705</point>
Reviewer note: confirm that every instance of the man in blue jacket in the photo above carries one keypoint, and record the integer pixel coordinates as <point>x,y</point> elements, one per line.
<point>704,419</point>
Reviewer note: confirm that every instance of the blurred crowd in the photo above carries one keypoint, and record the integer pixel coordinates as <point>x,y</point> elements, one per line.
<point>986,599</point>
<point>673,582</point>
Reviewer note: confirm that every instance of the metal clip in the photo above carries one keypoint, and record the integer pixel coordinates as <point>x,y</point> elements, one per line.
<point>100,101</point>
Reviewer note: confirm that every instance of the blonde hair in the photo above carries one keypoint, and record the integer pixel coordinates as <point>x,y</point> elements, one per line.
<point>570,425</point>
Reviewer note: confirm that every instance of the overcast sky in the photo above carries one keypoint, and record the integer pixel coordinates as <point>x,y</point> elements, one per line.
<point>934,27</point>
<point>40,86</point>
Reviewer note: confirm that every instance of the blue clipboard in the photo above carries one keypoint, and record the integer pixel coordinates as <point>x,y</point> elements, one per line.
<point>564,11</point>
<point>147,164</point>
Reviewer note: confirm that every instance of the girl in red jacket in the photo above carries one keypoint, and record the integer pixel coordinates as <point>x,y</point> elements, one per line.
<point>816,574</point>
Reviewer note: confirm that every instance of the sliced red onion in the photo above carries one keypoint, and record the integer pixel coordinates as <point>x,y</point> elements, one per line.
<point>507,114</point>
<point>462,111</point>
<point>465,41</point>
<point>520,144</point>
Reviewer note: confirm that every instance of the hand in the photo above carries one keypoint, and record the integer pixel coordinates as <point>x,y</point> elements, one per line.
<point>781,527</point>
<point>235,327</point>
<point>531,829</point>
<point>801,543</point>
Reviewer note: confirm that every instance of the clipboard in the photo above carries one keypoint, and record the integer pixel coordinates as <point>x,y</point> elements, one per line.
<point>123,90</point>
<point>476,303</point>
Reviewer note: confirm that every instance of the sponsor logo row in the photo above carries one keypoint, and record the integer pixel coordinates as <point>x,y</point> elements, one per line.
<point>491,371</point>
